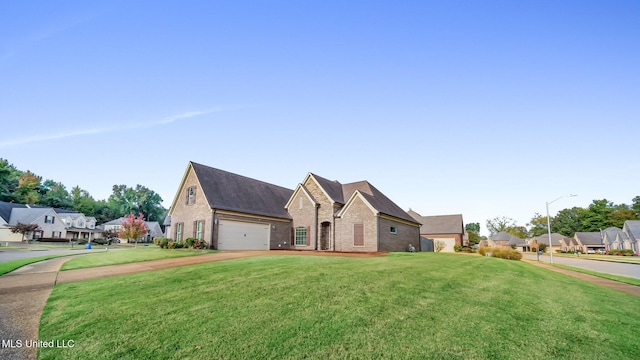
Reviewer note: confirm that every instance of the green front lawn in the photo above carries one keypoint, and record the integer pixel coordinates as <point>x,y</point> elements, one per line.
<point>420,306</point>
<point>130,255</point>
<point>8,266</point>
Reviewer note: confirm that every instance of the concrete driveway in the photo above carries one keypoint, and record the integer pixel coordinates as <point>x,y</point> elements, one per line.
<point>607,267</point>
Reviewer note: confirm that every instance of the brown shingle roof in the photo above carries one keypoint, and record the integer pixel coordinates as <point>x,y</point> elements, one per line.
<point>589,238</point>
<point>341,193</point>
<point>228,191</point>
<point>556,239</point>
<point>333,188</point>
<point>439,224</point>
<point>377,199</point>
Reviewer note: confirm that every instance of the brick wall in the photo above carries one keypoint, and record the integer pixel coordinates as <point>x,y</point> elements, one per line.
<point>302,211</point>
<point>358,213</point>
<point>187,214</point>
<point>405,234</point>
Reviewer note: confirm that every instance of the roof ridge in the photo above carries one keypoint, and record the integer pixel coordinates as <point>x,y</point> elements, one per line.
<point>238,175</point>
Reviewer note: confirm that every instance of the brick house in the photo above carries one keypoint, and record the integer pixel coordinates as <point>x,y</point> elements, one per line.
<point>230,211</point>
<point>354,217</point>
<point>588,241</point>
<point>446,228</point>
<point>234,212</point>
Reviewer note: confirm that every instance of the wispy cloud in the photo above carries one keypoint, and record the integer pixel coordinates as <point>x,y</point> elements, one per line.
<point>102,130</point>
<point>18,45</point>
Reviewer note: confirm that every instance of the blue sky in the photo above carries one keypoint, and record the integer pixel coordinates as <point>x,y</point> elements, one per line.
<point>485,108</point>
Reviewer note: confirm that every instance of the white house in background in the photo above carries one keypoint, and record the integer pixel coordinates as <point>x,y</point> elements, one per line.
<point>55,224</point>
<point>78,225</point>
<point>153,229</point>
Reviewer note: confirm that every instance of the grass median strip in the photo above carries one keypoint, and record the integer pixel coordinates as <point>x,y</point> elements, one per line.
<point>9,266</point>
<point>115,257</point>
<point>610,258</point>
<point>436,306</point>
<point>622,279</point>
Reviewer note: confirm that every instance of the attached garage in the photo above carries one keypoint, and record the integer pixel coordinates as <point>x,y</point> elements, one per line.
<point>449,243</point>
<point>240,235</point>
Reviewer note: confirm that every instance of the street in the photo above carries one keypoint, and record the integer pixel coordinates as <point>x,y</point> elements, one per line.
<point>607,267</point>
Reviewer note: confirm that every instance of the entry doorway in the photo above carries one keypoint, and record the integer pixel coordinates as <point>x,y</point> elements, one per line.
<point>325,235</point>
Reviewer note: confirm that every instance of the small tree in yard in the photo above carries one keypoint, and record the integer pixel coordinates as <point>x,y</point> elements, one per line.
<point>439,245</point>
<point>23,229</point>
<point>132,227</point>
<point>110,235</point>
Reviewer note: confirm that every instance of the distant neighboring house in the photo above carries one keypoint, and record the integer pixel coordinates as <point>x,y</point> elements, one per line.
<point>5,217</point>
<point>518,244</point>
<point>230,211</point>
<point>78,225</point>
<point>153,229</point>
<point>446,228</point>
<point>569,244</point>
<point>632,229</point>
<point>614,238</point>
<point>502,239</point>
<point>167,227</point>
<point>353,217</point>
<point>557,241</point>
<point>54,224</point>
<point>589,240</point>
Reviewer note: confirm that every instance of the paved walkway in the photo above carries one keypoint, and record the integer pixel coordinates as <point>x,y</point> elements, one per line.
<point>24,292</point>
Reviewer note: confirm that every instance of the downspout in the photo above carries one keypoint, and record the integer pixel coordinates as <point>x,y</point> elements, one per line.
<point>378,231</point>
<point>335,233</point>
<point>213,222</point>
<point>316,225</point>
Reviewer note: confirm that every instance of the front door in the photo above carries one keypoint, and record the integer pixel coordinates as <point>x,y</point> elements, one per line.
<point>325,235</point>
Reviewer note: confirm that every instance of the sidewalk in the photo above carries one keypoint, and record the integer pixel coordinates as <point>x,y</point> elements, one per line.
<point>23,294</point>
<point>627,288</point>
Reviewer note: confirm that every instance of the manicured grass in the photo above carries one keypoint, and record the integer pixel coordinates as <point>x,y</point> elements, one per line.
<point>9,266</point>
<point>622,279</point>
<point>417,306</point>
<point>130,255</point>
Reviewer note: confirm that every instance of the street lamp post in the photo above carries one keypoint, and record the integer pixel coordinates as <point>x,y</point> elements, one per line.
<point>549,225</point>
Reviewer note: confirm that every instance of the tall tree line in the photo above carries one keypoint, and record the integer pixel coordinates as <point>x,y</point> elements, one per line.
<point>28,188</point>
<point>599,215</point>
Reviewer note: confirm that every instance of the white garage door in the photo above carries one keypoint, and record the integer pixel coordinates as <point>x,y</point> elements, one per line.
<point>449,243</point>
<point>237,235</point>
